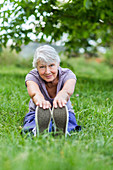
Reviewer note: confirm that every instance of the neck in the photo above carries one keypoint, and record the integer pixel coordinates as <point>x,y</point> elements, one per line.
<point>52,83</point>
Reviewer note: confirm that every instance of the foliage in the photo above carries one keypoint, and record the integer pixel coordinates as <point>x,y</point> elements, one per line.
<point>89,149</point>
<point>109,56</point>
<point>10,58</point>
<point>80,20</point>
<point>91,68</point>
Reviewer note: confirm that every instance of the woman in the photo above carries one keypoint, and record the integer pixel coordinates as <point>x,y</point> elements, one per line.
<point>50,88</point>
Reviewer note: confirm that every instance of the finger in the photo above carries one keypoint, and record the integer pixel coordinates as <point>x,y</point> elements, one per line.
<point>37,103</point>
<point>55,104</point>
<point>40,104</point>
<point>48,104</point>
<point>64,103</point>
<point>60,103</point>
<point>44,104</point>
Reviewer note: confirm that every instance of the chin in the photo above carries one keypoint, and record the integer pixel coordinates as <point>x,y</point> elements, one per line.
<point>49,80</point>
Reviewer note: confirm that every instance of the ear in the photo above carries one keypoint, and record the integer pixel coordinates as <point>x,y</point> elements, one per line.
<point>58,64</point>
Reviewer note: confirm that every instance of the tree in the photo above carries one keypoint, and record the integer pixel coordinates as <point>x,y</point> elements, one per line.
<point>80,20</point>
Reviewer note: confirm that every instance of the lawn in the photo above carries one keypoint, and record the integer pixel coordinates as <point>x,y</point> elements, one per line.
<point>89,149</point>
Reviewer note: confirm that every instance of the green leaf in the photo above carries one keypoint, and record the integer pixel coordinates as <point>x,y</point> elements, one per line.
<point>1,49</point>
<point>87,4</point>
<point>79,19</point>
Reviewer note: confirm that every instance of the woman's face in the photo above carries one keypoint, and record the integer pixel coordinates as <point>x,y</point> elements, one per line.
<point>48,72</point>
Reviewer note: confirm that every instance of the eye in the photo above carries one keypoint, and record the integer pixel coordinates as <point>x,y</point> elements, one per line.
<point>41,66</point>
<point>51,65</point>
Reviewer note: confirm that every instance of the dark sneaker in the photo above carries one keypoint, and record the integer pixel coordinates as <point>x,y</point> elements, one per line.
<point>60,118</point>
<point>42,119</point>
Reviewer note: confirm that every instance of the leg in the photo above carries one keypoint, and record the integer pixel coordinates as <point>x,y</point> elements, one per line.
<point>29,122</point>
<point>60,118</point>
<point>72,124</point>
<point>42,119</point>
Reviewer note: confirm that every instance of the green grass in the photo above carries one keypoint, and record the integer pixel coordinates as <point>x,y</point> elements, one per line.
<point>90,149</point>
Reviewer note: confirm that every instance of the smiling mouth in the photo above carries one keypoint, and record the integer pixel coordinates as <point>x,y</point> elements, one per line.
<point>49,76</point>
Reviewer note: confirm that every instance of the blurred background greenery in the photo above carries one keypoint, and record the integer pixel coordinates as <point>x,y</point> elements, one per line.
<point>75,28</point>
<point>82,33</point>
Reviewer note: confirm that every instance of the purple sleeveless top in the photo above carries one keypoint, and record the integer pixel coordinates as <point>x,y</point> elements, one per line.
<point>64,75</point>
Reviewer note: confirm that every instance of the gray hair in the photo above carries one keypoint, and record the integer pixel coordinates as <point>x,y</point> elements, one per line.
<point>47,54</point>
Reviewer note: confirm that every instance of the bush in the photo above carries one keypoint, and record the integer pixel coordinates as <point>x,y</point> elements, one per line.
<point>8,57</point>
<point>24,62</point>
<point>65,64</point>
<point>109,56</point>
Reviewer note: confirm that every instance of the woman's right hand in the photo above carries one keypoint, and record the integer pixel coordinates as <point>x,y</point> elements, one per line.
<point>43,103</point>
<point>36,95</point>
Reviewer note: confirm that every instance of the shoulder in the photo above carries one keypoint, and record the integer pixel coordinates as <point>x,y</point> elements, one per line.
<point>33,71</point>
<point>33,75</point>
<point>65,72</point>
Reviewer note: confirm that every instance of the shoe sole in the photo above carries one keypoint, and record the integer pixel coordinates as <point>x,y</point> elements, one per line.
<point>60,118</point>
<point>42,119</point>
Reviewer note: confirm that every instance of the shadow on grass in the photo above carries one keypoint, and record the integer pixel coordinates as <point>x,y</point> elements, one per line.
<point>12,75</point>
<point>94,80</point>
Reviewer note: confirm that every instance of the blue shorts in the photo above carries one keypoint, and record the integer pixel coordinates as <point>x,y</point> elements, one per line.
<point>29,122</point>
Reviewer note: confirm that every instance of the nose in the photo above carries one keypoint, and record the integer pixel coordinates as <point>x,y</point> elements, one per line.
<point>47,70</point>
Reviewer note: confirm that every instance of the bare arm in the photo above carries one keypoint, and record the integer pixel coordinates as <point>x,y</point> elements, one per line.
<point>36,95</point>
<point>66,92</point>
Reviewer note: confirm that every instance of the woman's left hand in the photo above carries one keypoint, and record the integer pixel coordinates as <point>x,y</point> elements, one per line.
<point>63,96</point>
<point>61,99</point>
